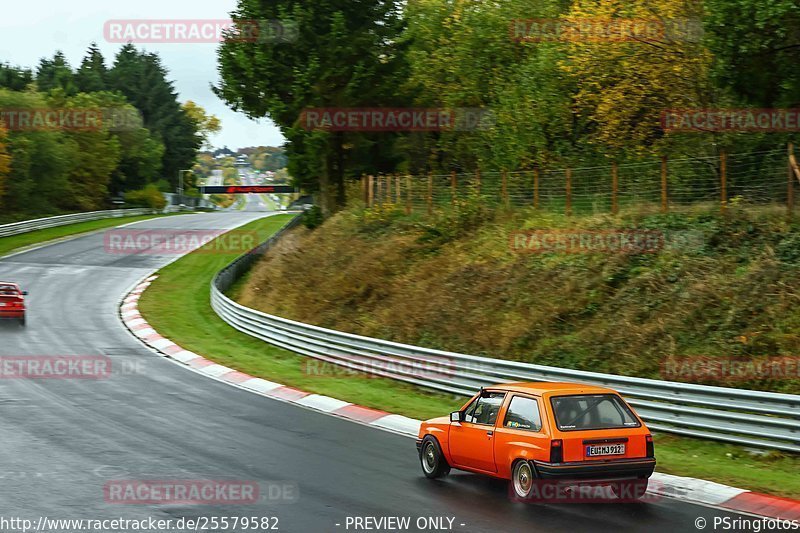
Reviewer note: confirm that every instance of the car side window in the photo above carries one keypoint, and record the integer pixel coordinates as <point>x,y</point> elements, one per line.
<point>523,413</point>
<point>470,410</point>
<point>484,409</point>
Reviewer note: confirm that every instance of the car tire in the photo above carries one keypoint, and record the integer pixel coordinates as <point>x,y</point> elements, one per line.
<point>632,490</point>
<point>434,465</point>
<point>522,476</point>
<point>22,322</point>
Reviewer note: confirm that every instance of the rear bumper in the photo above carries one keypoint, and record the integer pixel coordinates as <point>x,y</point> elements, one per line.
<point>7,313</point>
<point>612,469</point>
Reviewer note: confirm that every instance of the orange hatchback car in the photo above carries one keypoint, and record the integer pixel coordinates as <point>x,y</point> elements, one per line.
<point>525,432</point>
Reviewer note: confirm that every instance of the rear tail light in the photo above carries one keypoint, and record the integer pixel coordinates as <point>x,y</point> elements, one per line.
<point>648,440</point>
<point>556,451</point>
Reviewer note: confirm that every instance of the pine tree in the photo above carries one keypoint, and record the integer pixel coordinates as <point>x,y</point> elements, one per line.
<point>92,74</point>
<point>15,78</point>
<point>56,74</point>
<point>143,80</point>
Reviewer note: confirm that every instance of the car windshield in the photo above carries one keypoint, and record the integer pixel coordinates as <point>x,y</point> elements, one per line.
<point>592,411</point>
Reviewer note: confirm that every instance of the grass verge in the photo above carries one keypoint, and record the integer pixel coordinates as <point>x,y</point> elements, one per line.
<point>14,242</point>
<point>177,306</point>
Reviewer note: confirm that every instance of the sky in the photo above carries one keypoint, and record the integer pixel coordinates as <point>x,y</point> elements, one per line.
<point>32,29</point>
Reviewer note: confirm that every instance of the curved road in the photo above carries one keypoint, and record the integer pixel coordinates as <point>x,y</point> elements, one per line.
<point>62,440</point>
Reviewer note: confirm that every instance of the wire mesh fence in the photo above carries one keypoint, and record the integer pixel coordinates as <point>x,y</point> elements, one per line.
<point>763,177</point>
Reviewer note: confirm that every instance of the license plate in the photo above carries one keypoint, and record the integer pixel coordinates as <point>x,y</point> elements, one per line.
<point>2,304</point>
<point>605,449</point>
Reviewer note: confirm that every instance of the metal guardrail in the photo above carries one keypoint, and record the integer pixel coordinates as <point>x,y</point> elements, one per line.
<point>62,220</point>
<point>754,418</point>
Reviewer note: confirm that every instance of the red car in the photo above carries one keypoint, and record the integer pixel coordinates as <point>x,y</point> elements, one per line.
<point>12,302</point>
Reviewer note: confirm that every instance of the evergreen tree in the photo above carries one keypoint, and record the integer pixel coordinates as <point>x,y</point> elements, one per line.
<point>143,80</point>
<point>92,74</point>
<point>15,78</point>
<point>56,74</point>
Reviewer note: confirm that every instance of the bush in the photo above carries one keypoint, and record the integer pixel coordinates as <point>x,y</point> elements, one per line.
<point>313,218</point>
<point>150,197</point>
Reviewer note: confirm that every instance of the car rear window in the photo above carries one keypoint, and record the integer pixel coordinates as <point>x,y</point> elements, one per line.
<point>8,290</point>
<point>592,411</point>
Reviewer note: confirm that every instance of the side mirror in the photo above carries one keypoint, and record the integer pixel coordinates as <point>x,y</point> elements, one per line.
<point>455,416</point>
<point>24,293</point>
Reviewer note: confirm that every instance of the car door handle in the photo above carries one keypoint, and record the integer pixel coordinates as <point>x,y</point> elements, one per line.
<point>490,433</point>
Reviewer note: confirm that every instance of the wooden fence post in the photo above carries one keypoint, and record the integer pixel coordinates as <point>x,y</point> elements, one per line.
<point>536,188</point>
<point>614,188</point>
<point>723,180</point>
<point>664,205</point>
<point>408,194</point>
<point>398,193</point>
<point>790,183</point>
<point>569,191</point>
<point>453,187</point>
<point>371,191</point>
<point>364,190</point>
<point>388,189</point>
<point>505,188</point>
<point>430,193</point>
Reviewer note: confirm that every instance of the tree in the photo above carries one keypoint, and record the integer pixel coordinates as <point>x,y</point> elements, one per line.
<point>56,73</point>
<point>624,87</point>
<point>92,74</point>
<point>756,44</point>
<point>15,78</point>
<point>40,160</point>
<point>140,160</point>
<point>205,125</point>
<point>462,56</point>
<point>345,55</point>
<point>143,80</point>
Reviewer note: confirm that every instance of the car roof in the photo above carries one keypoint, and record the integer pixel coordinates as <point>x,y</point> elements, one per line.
<point>9,283</point>
<point>543,387</point>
